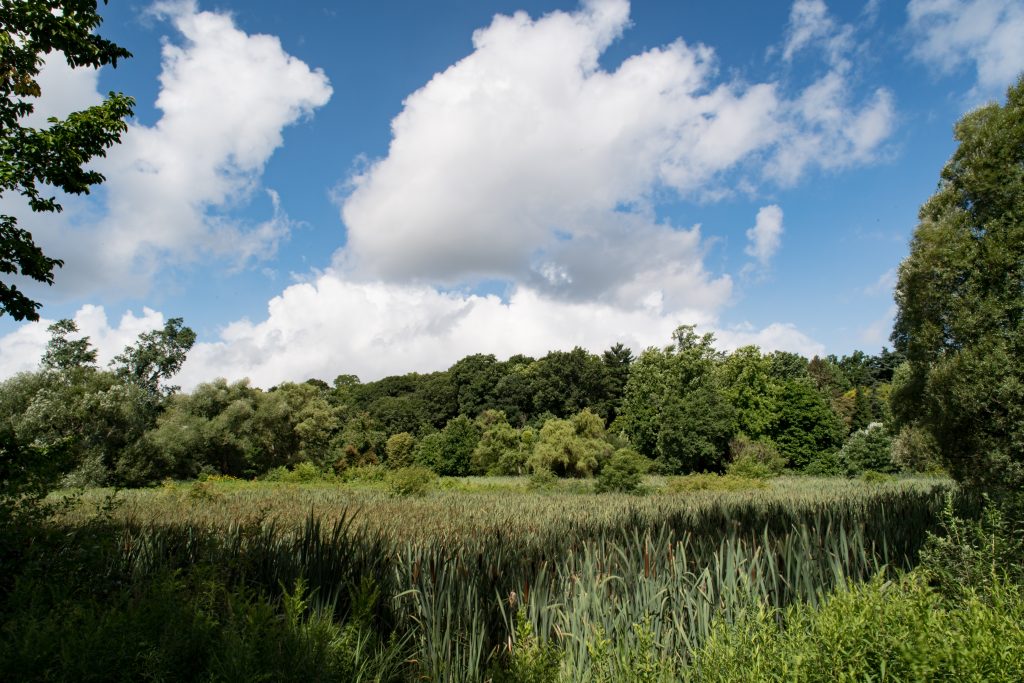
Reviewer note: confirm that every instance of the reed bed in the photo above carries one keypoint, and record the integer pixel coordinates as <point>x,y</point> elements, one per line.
<point>455,568</point>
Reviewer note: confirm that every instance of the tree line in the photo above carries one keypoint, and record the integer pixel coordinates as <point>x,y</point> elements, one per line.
<point>685,407</point>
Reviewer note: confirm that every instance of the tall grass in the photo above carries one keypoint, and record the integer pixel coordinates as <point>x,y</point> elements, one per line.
<point>594,577</point>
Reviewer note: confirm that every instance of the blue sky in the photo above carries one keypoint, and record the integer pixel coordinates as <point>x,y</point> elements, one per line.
<point>374,188</point>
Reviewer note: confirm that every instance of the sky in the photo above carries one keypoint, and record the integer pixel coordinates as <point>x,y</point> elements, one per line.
<point>375,188</point>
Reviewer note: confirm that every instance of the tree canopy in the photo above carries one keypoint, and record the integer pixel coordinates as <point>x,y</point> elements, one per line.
<point>961,303</point>
<point>33,160</point>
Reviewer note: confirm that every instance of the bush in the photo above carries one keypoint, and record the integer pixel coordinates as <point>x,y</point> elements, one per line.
<point>754,459</point>
<point>827,464</point>
<point>411,481</point>
<point>869,449</point>
<point>542,480</point>
<point>365,474</point>
<point>873,477</point>
<point>971,554</point>
<point>400,448</point>
<point>914,450</point>
<point>526,658</point>
<point>302,473</point>
<point>624,473</point>
<point>895,631</point>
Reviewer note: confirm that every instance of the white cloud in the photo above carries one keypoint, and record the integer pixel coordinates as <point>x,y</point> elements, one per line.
<point>823,127</point>
<point>985,34</point>
<point>526,161</point>
<point>331,326</point>
<point>766,235</point>
<point>774,337</point>
<point>225,99</point>
<point>808,21</point>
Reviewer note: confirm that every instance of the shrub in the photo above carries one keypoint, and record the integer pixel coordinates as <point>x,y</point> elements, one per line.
<point>624,473</point>
<point>869,449</point>
<point>526,658</point>
<point>827,464</point>
<point>411,481</point>
<point>365,474</point>
<point>873,477</point>
<point>302,473</point>
<point>754,459</point>
<point>542,480</point>
<point>914,449</point>
<point>971,554</point>
<point>400,448</point>
<point>881,630</point>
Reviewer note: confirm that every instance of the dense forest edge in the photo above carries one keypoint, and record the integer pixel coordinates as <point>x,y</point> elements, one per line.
<point>681,514</point>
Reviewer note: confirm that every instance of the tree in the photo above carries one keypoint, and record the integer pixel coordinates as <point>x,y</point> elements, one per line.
<point>673,408</point>
<point>156,356</point>
<point>34,160</point>
<point>63,354</point>
<point>960,297</point>
<point>574,447</point>
<point>805,427</point>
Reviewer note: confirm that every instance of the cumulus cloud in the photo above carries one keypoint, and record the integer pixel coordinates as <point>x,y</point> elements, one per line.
<point>225,98</point>
<point>766,235</point>
<point>331,326</point>
<point>528,161</point>
<point>983,34</point>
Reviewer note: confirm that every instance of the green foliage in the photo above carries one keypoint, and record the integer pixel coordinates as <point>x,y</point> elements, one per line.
<point>754,459</point>
<point>35,161</point>
<point>543,480</point>
<point>914,450</point>
<point>827,464</point>
<point>869,449</point>
<point>673,409</point>
<point>875,477</point>
<point>961,303</point>
<point>526,659</point>
<point>974,553</point>
<point>63,354</point>
<point>411,481</point>
<point>572,448</point>
<point>450,451</point>
<point>749,384</point>
<point>155,357</point>
<point>301,473</point>
<point>173,630</point>
<point>400,449</point>
<point>804,426</point>
<point>364,441</point>
<point>623,473</point>
<point>876,631</point>
<point>500,449</point>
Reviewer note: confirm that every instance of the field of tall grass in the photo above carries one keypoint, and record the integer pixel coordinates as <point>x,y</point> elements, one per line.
<point>470,578</point>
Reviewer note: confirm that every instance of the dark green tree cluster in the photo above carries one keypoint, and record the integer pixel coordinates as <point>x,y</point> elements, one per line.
<point>103,417</point>
<point>680,409</point>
